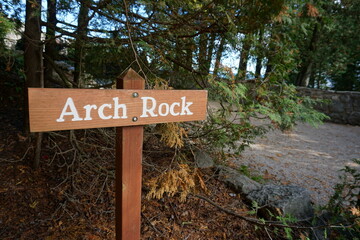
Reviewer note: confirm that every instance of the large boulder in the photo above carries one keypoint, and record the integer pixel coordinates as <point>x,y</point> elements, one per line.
<point>237,181</point>
<point>284,200</point>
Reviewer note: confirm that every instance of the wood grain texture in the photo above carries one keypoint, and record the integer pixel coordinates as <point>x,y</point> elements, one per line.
<point>129,144</point>
<point>47,104</point>
<point>128,165</point>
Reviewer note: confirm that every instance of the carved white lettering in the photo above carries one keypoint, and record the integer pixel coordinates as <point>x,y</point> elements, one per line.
<point>150,108</point>
<point>73,111</point>
<point>172,109</point>
<point>101,111</point>
<point>88,111</point>
<point>161,108</point>
<point>147,109</point>
<point>185,107</point>
<point>117,106</point>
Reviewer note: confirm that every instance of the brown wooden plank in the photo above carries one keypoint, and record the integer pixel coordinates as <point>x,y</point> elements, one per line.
<point>128,182</point>
<point>47,105</point>
<point>129,142</point>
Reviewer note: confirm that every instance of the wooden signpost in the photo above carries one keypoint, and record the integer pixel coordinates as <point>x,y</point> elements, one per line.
<point>128,108</point>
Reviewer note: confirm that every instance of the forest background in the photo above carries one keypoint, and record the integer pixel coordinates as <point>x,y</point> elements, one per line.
<point>188,44</point>
<point>275,44</point>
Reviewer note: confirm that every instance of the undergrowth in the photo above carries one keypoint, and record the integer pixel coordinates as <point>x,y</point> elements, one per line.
<point>250,174</point>
<point>344,205</point>
<point>238,113</point>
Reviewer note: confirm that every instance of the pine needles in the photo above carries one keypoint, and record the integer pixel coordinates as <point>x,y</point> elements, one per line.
<point>182,180</point>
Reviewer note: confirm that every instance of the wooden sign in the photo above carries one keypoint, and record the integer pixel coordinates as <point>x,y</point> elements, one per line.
<point>52,109</point>
<point>130,107</point>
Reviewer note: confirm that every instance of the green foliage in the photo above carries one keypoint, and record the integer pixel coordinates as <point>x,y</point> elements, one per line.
<point>284,108</point>
<point>320,35</point>
<point>347,192</point>
<point>286,220</point>
<point>229,126</point>
<point>179,41</point>
<point>349,80</point>
<point>344,206</point>
<point>245,170</point>
<point>233,124</point>
<point>5,26</point>
<point>11,65</point>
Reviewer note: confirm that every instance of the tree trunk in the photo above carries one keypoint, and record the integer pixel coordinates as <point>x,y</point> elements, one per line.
<point>33,61</point>
<point>203,63</point>
<point>209,54</point>
<point>218,56</point>
<point>244,55</point>
<point>203,42</point>
<point>50,45</point>
<point>269,53</point>
<point>178,48</point>
<point>33,46</point>
<point>259,57</point>
<point>83,22</point>
<point>190,45</point>
<point>305,74</point>
<point>303,78</point>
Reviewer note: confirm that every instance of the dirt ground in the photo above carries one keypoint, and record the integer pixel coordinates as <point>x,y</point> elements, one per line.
<point>307,156</point>
<point>53,203</point>
<point>73,198</point>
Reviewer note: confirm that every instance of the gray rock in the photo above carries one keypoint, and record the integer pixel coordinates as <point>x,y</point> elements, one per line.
<point>345,97</point>
<point>337,118</point>
<point>203,159</point>
<point>237,181</point>
<point>284,200</point>
<point>355,98</point>
<point>337,106</point>
<point>354,118</point>
<point>343,106</point>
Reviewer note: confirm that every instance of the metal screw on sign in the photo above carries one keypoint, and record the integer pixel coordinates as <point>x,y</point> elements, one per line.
<point>134,119</point>
<point>135,95</point>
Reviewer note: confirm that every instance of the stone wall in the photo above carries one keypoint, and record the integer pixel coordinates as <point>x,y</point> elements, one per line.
<point>343,106</point>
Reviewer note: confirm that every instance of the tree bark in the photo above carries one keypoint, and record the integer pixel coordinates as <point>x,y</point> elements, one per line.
<point>244,55</point>
<point>50,43</point>
<point>303,78</point>
<point>203,43</point>
<point>33,45</point>
<point>178,47</point>
<point>270,51</point>
<point>33,62</point>
<point>83,22</point>
<point>259,57</point>
<point>209,54</point>
<point>190,45</point>
<point>218,56</point>
<point>305,74</point>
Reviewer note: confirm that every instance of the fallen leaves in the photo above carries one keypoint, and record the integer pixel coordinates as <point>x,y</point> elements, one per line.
<point>268,176</point>
<point>355,211</point>
<point>274,158</point>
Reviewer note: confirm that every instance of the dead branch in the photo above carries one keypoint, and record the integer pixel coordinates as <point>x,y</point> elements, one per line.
<point>152,226</point>
<point>67,82</point>
<point>19,160</point>
<point>36,162</point>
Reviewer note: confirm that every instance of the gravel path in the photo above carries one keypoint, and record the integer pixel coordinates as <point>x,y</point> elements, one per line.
<point>309,157</point>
